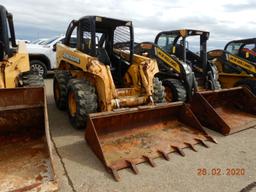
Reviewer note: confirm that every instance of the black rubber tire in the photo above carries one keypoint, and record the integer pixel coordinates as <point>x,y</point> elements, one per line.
<point>32,80</point>
<point>60,81</point>
<point>249,83</point>
<point>213,83</point>
<point>159,93</point>
<point>86,102</point>
<point>36,65</point>
<point>217,85</point>
<point>177,89</point>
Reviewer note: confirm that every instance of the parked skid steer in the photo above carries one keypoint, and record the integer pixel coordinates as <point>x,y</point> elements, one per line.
<point>236,64</point>
<point>115,94</point>
<point>191,77</point>
<point>182,71</point>
<point>25,153</point>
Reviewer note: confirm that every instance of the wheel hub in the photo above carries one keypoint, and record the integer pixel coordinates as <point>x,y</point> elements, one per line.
<point>72,103</point>
<point>168,94</point>
<point>38,68</point>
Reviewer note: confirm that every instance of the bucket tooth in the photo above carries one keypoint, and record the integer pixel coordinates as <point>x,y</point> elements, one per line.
<point>210,139</point>
<point>164,154</point>
<point>178,150</point>
<point>115,174</point>
<point>202,142</point>
<point>133,167</point>
<point>150,161</point>
<point>191,146</point>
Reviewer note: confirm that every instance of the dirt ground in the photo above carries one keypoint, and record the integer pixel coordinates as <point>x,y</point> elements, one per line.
<point>79,170</point>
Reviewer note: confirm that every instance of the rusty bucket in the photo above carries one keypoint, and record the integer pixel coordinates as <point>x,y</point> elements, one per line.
<point>226,111</point>
<point>25,153</point>
<point>123,139</point>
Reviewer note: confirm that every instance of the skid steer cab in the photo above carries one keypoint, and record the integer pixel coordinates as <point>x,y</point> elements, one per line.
<point>236,64</point>
<point>116,95</point>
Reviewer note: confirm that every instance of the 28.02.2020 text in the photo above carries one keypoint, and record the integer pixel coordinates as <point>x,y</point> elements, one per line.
<point>221,172</point>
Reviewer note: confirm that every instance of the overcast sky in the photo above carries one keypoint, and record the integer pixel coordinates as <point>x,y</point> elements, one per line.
<point>225,19</point>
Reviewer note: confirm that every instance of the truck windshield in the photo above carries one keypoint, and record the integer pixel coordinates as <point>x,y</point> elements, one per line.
<point>49,41</point>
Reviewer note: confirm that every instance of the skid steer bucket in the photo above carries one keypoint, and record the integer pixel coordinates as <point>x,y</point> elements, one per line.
<point>25,153</point>
<point>122,139</point>
<point>226,111</point>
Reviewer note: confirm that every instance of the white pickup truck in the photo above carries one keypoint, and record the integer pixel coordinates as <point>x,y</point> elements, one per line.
<point>43,57</point>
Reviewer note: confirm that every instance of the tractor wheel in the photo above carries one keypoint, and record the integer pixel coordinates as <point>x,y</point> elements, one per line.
<point>82,100</point>
<point>159,93</point>
<point>60,89</point>
<point>32,80</point>
<point>249,83</point>
<point>38,67</point>
<point>175,90</point>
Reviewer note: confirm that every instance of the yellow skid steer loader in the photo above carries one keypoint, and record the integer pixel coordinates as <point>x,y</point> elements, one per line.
<point>115,94</point>
<point>236,64</point>
<point>190,77</point>
<point>25,151</point>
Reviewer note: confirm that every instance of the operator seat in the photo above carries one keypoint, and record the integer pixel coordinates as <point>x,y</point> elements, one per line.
<point>103,56</point>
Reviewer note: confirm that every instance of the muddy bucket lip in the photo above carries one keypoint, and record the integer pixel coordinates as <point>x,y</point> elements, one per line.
<point>22,88</point>
<point>219,90</point>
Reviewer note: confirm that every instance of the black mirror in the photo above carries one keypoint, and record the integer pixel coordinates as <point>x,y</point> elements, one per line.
<point>54,47</point>
<point>1,51</point>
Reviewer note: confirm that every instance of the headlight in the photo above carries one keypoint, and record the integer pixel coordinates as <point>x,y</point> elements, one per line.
<point>187,68</point>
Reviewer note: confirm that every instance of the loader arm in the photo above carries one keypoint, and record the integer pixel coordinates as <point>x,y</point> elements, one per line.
<point>170,66</point>
<point>14,59</point>
<point>96,70</point>
<point>146,68</point>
